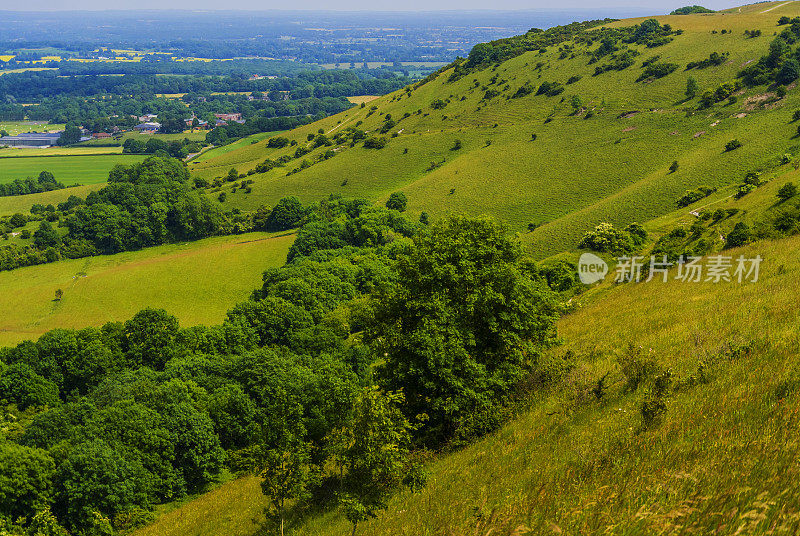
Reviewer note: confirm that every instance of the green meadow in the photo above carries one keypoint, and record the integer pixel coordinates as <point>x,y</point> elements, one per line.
<point>18,127</point>
<point>197,282</point>
<point>69,170</point>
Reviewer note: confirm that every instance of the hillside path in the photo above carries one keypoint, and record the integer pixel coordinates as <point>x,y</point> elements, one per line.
<point>776,7</point>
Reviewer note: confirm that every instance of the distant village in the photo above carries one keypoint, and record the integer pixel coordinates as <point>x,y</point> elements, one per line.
<point>147,125</point>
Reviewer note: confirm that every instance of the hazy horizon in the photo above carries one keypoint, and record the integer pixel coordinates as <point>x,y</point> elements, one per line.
<point>656,6</point>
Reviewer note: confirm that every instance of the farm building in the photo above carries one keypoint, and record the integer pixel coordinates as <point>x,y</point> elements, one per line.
<point>148,127</point>
<point>31,139</point>
<point>229,117</point>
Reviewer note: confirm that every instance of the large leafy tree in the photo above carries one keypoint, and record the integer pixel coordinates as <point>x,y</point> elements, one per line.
<point>463,324</point>
<point>26,485</point>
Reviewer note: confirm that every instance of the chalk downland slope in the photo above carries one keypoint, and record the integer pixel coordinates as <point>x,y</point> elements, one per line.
<point>605,159</point>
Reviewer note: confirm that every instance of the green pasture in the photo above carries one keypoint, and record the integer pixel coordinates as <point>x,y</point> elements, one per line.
<point>197,282</point>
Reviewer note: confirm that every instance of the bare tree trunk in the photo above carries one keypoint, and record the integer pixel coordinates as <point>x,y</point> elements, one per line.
<point>281,524</point>
<point>355,525</point>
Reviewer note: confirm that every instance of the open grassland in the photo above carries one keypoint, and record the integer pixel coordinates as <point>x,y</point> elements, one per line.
<point>238,146</point>
<point>69,170</point>
<point>197,282</point>
<point>721,460</point>
<point>610,165</point>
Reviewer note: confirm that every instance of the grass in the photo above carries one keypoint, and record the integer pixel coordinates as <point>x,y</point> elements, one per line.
<point>197,282</point>
<point>217,152</point>
<point>578,171</point>
<point>721,460</point>
<point>18,127</point>
<point>69,170</point>
<point>22,152</point>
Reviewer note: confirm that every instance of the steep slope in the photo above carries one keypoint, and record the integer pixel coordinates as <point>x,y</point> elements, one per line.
<point>607,162</point>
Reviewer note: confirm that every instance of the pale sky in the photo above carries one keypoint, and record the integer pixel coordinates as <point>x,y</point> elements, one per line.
<point>657,6</point>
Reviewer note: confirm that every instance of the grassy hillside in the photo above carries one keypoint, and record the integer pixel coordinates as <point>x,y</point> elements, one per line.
<point>721,459</point>
<point>197,282</point>
<point>610,164</point>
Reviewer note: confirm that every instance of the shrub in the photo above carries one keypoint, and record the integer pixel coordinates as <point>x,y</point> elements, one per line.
<point>692,196</point>
<point>787,191</point>
<point>654,404</point>
<point>605,238</point>
<point>397,201</point>
<point>744,189</point>
<point>277,143</point>
<point>739,236</point>
<point>732,145</point>
<point>636,367</point>
<point>375,143</point>
<point>657,70</point>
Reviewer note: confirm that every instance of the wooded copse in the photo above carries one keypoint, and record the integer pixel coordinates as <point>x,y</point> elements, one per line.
<point>309,372</point>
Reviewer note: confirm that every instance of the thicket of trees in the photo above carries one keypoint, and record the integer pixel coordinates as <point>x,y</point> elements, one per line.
<point>780,65</point>
<point>301,384</point>
<point>45,182</point>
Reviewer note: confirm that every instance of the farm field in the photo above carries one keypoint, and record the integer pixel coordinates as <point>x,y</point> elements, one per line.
<point>363,98</point>
<point>19,152</point>
<point>194,281</point>
<point>609,161</point>
<point>69,170</point>
<point>18,127</point>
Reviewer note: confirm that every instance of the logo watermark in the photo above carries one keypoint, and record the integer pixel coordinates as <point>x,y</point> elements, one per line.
<point>591,268</point>
<point>713,269</point>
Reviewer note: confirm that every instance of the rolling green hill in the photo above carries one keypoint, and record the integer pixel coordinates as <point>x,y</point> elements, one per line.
<point>607,162</point>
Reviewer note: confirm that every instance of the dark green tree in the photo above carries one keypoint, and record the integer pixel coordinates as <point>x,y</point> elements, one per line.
<point>70,136</point>
<point>691,88</point>
<point>787,191</point>
<point>26,476</point>
<point>397,201</point>
<point>150,334</point>
<point>287,214</point>
<point>46,236</point>
<point>739,236</point>
<point>789,72</point>
<point>462,325</point>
